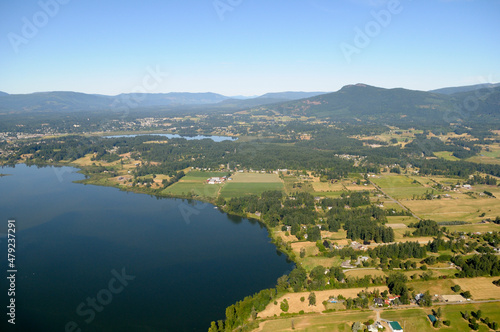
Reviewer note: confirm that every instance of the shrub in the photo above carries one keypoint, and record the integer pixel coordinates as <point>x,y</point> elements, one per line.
<point>284,305</point>
<point>447,322</point>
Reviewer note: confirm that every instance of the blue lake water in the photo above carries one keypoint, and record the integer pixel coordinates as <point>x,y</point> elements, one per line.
<point>179,263</point>
<point>189,138</point>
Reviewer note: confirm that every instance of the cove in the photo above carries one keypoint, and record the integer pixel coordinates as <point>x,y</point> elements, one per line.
<point>73,240</point>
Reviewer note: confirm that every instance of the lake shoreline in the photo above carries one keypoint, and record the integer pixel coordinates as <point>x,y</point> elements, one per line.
<point>76,178</point>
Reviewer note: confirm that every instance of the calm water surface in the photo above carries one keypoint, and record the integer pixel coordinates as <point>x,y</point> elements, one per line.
<point>189,138</point>
<point>70,237</point>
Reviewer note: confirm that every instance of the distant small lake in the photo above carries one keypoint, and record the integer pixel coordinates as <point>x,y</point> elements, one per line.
<point>188,260</point>
<point>189,138</point>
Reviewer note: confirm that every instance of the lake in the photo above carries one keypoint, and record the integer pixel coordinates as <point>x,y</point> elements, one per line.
<point>153,264</point>
<point>189,138</point>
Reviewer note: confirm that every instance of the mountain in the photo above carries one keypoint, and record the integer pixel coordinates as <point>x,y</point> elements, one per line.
<point>291,95</point>
<point>459,89</point>
<point>75,101</point>
<point>242,97</point>
<point>3,93</point>
<point>56,101</point>
<point>268,98</point>
<point>362,102</point>
<point>172,98</point>
<point>481,104</point>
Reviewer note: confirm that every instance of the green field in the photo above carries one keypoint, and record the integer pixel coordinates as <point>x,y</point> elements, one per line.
<point>202,176</point>
<point>194,183</point>
<point>196,189</point>
<point>488,157</point>
<point>294,184</point>
<point>416,319</point>
<point>336,322</point>
<point>400,186</point>
<point>446,155</point>
<point>234,189</point>
<point>243,184</point>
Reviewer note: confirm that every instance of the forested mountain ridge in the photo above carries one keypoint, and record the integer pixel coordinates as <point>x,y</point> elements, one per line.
<point>460,89</point>
<point>74,101</point>
<point>360,102</point>
<point>69,101</point>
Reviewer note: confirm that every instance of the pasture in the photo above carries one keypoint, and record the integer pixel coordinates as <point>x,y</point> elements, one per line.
<point>335,322</point>
<point>489,155</point>
<point>446,155</point>
<point>194,183</point>
<point>244,184</point>
<point>464,208</point>
<point>296,305</point>
<point>400,186</point>
<point>480,288</point>
<point>415,319</point>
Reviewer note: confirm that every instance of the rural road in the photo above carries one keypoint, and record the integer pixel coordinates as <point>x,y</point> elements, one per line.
<point>394,200</point>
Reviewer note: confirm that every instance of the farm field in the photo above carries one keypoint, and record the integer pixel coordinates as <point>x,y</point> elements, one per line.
<point>195,183</point>
<point>86,161</point>
<point>415,319</point>
<point>480,288</point>
<point>251,184</point>
<point>295,184</point>
<point>446,155</point>
<point>308,263</point>
<point>255,178</point>
<point>233,189</point>
<point>412,319</point>
<point>488,157</point>
<point>335,322</point>
<point>296,305</point>
<point>406,220</point>
<point>327,186</point>
<point>364,272</point>
<point>463,209</point>
<point>400,186</point>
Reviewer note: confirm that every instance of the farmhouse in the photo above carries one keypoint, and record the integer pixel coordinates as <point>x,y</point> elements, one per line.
<point>391,299</point>
<point>216,180</point>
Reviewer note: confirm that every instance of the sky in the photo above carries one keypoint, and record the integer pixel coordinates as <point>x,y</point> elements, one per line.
<point>245,47</point>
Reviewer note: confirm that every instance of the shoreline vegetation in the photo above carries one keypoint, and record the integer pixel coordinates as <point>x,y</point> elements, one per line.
<point>244,315</point>
<point>347,221</point>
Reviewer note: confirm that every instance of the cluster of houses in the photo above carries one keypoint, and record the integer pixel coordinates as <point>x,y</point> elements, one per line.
<point>380,302</point>
<point>218,180</point>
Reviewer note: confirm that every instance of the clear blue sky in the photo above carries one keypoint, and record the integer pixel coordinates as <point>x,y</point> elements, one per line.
<point>259,46</point>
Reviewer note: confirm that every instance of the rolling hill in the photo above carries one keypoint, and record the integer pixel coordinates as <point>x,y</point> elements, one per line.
<point>460,89</point>
<point>362,102</point>
<point>67,101</point>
